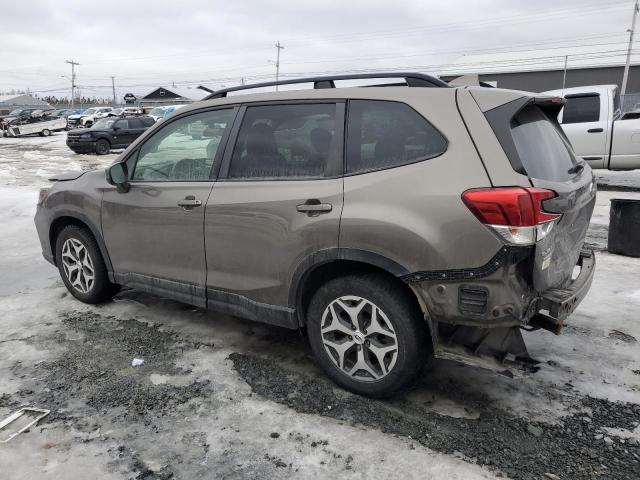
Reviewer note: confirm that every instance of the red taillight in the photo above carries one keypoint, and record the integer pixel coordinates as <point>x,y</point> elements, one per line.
<point>511,206</point>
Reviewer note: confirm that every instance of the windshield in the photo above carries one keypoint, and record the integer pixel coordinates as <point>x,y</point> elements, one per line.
<point>103,123</point>
<point>157,112</point>
<point>15,112</point>
<point>118,111</point>
<point>89,111</point>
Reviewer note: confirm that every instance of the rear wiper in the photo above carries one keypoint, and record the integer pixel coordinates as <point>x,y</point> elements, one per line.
<point>578,167</point>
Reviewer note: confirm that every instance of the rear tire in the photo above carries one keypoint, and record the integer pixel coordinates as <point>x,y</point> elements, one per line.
<point>102,147</point>
<point>46,132</point>
<point>387,348</point>
<point>82,267</point>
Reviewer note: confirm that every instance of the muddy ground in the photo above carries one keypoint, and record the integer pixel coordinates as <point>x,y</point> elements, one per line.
<point>219,397</point>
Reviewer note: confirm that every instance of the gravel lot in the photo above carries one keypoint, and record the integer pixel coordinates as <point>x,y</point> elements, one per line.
<point>220,397</point>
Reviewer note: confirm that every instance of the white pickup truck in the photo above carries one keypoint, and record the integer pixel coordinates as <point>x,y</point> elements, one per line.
<point>592,120</point>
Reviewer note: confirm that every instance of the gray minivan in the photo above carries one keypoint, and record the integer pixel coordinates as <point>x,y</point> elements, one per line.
<point>393,223</point>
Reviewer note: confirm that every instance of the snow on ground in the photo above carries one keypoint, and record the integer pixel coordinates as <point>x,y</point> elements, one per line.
<point>219,397</point>
<point>626,179</point>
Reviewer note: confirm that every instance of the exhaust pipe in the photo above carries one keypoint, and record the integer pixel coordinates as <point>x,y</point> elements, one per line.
<point>540,320</point>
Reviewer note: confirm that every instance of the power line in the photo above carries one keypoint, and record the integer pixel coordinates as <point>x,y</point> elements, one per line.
<point>561,14</point>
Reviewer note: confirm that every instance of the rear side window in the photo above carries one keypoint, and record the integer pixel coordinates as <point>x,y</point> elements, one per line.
<point>581,109</point>
<point>286,141</point>
<point>124,124</point>
<point>385,134</point>
<point>147,121</point>
<point>542,148</point>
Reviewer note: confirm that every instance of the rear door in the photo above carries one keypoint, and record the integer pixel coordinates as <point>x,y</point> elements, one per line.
<point>277,201</point>
<point>542,151</point>
<point>585,122</point>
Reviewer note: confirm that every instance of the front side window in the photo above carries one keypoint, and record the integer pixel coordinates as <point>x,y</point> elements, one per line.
<point>172,154</point>
<point>581,109</point>
<point>384,134</point>
<point>286,141</point>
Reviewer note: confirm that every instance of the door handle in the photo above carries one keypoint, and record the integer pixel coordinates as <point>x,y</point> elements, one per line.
<point>595,130</point>
<point>189,202</point>
<point>313,207</point>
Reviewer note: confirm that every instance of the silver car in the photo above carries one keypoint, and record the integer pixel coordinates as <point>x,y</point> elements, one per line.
<point>393,223</point>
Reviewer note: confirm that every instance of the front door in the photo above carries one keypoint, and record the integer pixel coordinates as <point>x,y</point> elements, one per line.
<point>585,122</point>
<point>277,202</point>
<point>124,133</point>
<point>154,232</point>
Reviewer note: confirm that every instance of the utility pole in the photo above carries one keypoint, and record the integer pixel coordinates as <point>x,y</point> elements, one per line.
<point>278,48</point>
<point>564,75</point>
<point>73,79</point>
<point>625,76</point>
<point>113,86</point>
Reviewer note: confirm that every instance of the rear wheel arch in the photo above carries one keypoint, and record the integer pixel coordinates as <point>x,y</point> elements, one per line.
<point>62,221</point>
<point>324,270</point>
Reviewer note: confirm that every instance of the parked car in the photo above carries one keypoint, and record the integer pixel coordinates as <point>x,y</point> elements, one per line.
<point>65,112</point>
<point>598,131</point>
<point>107,133</point>
<point>124,112</point>
<point>392,223</point>
<point>38,122</point>
<point>158,113</point>
<point>19,112</point>
<point>88,117</point>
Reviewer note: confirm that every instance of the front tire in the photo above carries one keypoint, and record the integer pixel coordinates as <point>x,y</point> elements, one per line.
<point>367,334</point>
<point>102,147</point>
<point>82,267</point>
<point>46,132</point>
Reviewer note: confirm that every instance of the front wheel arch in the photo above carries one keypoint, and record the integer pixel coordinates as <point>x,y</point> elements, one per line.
<point>75,219</point>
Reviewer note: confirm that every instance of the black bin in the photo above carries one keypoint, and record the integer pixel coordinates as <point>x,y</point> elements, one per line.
<point>624,227</point>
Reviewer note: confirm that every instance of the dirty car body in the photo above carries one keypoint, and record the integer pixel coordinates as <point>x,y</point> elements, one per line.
<point>464,208</point>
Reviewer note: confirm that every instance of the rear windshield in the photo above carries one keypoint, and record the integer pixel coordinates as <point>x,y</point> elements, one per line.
<point>543,150</point>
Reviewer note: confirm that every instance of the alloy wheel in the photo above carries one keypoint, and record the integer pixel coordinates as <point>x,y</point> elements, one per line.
<point>78,265</point>
<point>359,338</point>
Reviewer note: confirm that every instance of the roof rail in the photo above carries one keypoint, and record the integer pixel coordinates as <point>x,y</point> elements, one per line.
<point>411,79</point>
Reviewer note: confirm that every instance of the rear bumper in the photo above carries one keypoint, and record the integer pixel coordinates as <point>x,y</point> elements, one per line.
<point>559,303</point>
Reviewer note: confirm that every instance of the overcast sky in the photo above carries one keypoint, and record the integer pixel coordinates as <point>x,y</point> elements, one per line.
<point>190,42</point>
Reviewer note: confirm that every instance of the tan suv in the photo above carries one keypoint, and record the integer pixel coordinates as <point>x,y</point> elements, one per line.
<point>392,222</point>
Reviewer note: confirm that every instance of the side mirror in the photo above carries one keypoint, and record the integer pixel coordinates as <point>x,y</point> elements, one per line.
<point>117,175</point>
